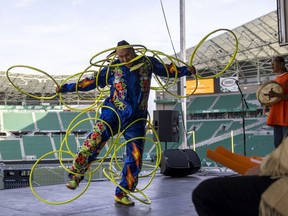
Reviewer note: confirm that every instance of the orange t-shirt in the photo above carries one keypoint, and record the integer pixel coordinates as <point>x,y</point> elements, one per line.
<point>278,114</point>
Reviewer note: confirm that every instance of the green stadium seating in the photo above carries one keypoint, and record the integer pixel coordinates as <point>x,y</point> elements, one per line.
<point>178,107</point>
<point>68,117</point>
<point>260,145</point>
<point>251,96</point>
<point>205,129</point>
<point>226,143</point>
<point>18,121</point>
<point>47,121</point>
<point>229,101</point>
<point>72,144</point>
<point>10,150</point>
<point>38,146</point>
<point>201,103</point>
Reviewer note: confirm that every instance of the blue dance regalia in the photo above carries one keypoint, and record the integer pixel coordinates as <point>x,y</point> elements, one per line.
<point>129,93</point>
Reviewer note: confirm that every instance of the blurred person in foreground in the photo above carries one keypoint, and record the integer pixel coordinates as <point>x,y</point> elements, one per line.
<point>262,190</point>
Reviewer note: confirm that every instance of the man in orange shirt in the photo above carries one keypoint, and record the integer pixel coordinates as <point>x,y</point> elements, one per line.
<point>278,114</point>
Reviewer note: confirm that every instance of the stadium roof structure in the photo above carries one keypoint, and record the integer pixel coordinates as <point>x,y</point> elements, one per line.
<point>257,44</point>
<point>22,88</point>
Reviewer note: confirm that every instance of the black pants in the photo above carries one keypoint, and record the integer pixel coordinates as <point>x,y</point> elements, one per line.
<point>231,196</point>
<point>280,132</point>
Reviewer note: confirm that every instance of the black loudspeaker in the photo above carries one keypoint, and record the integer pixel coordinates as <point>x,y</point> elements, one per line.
<point>166,125</point>
<point>179,162</point>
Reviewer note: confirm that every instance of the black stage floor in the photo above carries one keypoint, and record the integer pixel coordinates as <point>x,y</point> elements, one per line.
<point>169,196</point>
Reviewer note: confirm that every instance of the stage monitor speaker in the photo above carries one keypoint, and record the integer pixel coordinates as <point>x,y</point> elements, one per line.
<point>179,162</point>
<point>166,125</point>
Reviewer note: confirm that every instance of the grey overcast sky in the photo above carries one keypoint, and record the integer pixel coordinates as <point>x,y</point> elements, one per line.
<point>61,36</point>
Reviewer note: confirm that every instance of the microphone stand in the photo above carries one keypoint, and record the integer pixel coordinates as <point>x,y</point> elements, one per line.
<point>243,102</point>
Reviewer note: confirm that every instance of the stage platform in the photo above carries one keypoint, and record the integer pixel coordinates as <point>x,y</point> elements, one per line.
<point>170,196</point>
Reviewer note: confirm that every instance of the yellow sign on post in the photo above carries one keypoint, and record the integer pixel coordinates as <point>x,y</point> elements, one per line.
<point>204,86</point>
<point>232,141</point>
<point>193,139</point>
